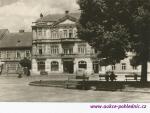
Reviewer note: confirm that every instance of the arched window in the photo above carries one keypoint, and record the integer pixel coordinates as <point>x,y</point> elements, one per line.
<point>54,66</point>
<point>41,66</point>
<point>82,64</point>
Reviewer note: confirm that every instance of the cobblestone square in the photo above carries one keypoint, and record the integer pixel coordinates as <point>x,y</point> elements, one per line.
<point>13,89</point>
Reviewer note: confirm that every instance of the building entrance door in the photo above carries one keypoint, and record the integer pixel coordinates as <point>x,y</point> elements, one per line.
<point>95,67</point>
<point>68,66</point>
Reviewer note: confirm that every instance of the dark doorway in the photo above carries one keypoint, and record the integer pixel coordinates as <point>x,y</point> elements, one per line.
<point>68,66</point>
<point>95,67</point>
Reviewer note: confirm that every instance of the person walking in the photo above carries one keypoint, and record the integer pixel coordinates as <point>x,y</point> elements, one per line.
<point>107,76</point>
<point>20,71</point>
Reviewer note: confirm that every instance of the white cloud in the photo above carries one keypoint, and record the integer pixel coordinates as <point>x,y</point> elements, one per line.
<point>21,14</point>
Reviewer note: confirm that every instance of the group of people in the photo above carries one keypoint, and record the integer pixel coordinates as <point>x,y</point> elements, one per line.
<point>110,76</point>
<point>22,71</point>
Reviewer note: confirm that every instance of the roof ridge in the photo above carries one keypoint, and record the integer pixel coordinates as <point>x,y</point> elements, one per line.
<point>57,16</point>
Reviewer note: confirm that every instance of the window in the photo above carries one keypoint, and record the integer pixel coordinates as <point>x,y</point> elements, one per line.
<point>61,34</point>
<point>54,66</point>
<point>113,67</point>
<point>82,64</point>
<point>54,49</point>
<point>7,54</point>
<point>70,33</point>
<point>18,54</point>
<point>0,54</point>
<point>12,66</point>
<point>54,34</point>
<point>49,49</point>
<point>123,66</point>
<point>41,65</point>
<point>39,32</point>
<point>44,32</point>
<point>134,67</point>
<point>75,33</point>
<point>41,49</point>
<point>68,50</point>
<point>65,34</point>
<point>82,49</point>
<point>27,53</point>
<point>34,50</point>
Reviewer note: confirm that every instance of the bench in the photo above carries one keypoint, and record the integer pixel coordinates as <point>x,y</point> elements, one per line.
<point>103,77</point>
<point>82,77</point>
<point>75,81</point>
<point>132,77</point>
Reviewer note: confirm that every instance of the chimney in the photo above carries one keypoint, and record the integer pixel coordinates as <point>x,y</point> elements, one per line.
<point>41,15</point>
<point>66,12</point>
<point>21,31</point>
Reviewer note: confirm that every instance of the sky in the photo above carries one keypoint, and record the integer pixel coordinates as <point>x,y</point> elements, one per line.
<point>19,14</point>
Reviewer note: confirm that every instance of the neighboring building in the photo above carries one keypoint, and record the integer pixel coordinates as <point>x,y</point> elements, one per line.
<point>13,48</point>
<point>3,32</point>
<point>56,47</point>
<point>124,67</point>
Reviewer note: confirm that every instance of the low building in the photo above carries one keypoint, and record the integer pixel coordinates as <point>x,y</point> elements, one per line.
<point>13,48</point>
<point>124,67</point>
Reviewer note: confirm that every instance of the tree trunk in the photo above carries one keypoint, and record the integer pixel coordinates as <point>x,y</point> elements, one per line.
<point>144,71</point>
<point>145,57</point>
<point>144,62</point>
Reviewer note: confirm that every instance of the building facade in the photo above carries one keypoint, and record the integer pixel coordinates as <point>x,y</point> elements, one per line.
<point>13,48</point>
<point>124,67</point>
<point>56,47</point>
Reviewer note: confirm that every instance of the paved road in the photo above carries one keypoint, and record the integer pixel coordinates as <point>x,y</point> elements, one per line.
<point>13,89</point>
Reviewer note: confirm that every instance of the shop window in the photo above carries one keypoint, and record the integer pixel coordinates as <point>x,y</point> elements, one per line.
<point>54,66</point>
<point>41,66</point>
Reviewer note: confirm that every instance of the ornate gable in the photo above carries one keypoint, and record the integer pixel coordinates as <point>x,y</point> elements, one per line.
<point>66,20</point>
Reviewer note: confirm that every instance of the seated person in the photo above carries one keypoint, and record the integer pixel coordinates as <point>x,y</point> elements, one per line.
<point>112,76</point>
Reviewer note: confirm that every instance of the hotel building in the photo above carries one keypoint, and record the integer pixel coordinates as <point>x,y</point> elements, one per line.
<point>57,49</point>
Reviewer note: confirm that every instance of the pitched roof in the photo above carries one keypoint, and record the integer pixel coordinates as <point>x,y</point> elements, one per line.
<point>16,40</point>
<point>3,32</point>
<point>56,17</point>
